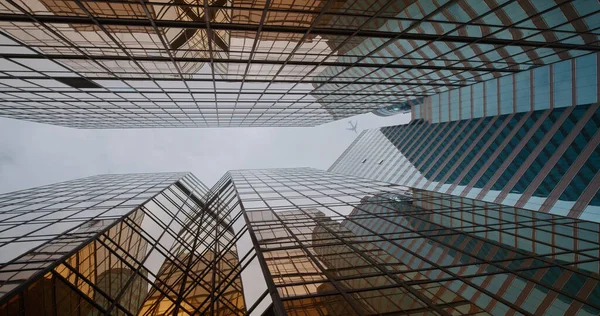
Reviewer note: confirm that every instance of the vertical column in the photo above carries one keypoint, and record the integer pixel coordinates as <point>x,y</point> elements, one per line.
<point>573,83</point>
<point>514,88</point>
<point>551,86</point>
<point>531,90</point>
<point>439,109</point>
<point>598,77</point>
<point>498,95</point>
<point>484,98</point>
<point>533,155</point>
<point>460,91</point>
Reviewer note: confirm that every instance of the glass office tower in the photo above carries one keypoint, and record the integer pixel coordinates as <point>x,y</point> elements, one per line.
<point>224,63</point>
<point>287,242</point>
<point>528,140</point>
<point>117,245</point>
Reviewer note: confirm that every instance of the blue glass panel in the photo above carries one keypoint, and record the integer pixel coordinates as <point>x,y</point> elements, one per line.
<point>454,105</point>
<point>444,105</point>
<point>435,108</point>
<point>465,102</point>
<point>523,91</point>
<point>563,86</point>
<point>506,94</point>
<point>586,79</point>
<point>478,100</point>
<point>541,88</point>
<point>491,98</point>
<point>417,111</point>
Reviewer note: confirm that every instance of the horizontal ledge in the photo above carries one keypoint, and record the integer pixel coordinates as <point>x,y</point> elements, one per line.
<point>290,29</point>
<point>254,61</point>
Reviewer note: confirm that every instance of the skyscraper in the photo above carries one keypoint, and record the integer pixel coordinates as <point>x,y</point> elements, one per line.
<point>222,63</point>
<point>288,242</point>
<point>529,140</point>
<point>117,245</point>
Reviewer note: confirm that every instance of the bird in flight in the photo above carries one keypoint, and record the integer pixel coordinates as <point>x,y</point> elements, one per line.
<point>353,127</point>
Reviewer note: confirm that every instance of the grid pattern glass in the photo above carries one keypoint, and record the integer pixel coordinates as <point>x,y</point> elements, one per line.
<point>545,160</point>
<point>191,63</point>
<point>307,242</point>
<point>340,245</point>
<point>157,251</point>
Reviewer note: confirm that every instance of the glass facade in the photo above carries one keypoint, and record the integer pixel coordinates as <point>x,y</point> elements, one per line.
<point>185,63</point>
<point>117,245</point>
<point>562,84</point>
<point>297,242</point>
<point>544,160</point>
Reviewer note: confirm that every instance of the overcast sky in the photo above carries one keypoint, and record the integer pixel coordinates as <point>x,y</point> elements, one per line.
<point>33,154</point>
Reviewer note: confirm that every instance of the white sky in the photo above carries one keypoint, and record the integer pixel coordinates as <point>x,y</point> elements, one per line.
<point>33,154</point>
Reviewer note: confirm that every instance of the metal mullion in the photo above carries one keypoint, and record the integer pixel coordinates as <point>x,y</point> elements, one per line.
<point>491,242</point>
<point>153,243</point>
<point>228,284</point>
<point>81,277</point>
<point>374,264</point>
<point>32,17</point>
<point>93,237</point>
<point>354,34</point>
<point>325,7</point>
<point>529,279</point>
<point>233,269</point>
<point>230,244</point>
<point>451,2</point>
<point>489,35</point>
<point>365,257</point>
<point>45,76</point>
<point>286,10</point>
<point>173,217</point>
<point>457,277</point>
<point>521,21</point>
<point>138,228</point>
<point>278,306</point>
<point>188,266</point>
<point>391,40</point>
<point>252,51</point>
<point>168,50</point>
<point>258,301</point>
<point>210,35</point>
<point>115,41</point>
<point>207,270</point>
<point>324,271</point>
<point>253,80</point>
<point>146,113</point>
<point>136,270</point>
<point>73,288</point>
<point>275,28</point>
<point>235,93</point>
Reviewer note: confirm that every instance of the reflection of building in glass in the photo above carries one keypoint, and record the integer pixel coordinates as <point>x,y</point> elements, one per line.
<point>285,242</point>
<point>197,295</point>
<point>354,264</point>
<point>184,42</point>
<point>529,140</point>
<point>472,240</point>
<point>222,63</point>
<point>118,245</point>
